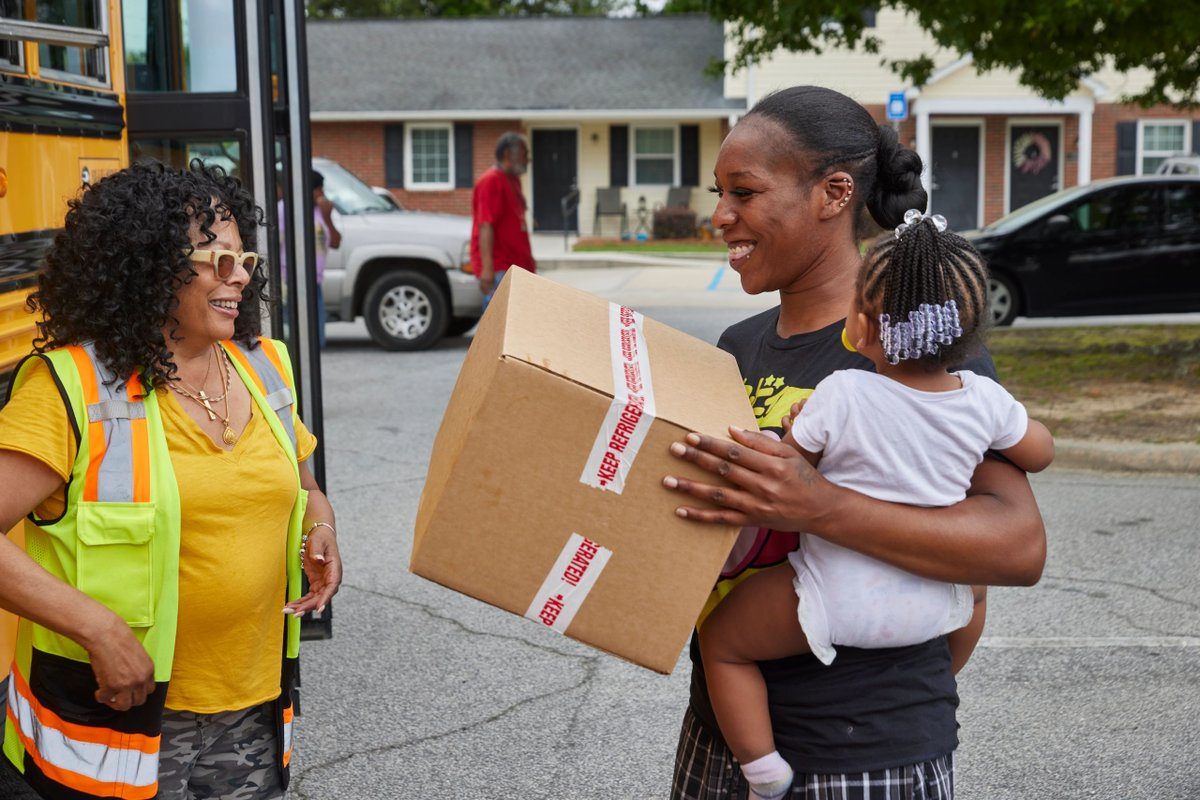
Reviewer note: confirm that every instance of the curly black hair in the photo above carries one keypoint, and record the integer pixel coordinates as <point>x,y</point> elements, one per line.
<point>112,274</point>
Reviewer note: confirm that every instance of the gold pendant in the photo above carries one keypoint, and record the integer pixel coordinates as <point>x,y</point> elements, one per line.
<point>204,402</point>
<point>229,437</point>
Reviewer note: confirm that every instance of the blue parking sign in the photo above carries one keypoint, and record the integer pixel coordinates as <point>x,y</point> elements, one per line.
<point>897,106</point>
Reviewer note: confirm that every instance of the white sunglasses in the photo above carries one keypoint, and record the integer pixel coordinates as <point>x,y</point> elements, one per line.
<point>224,262</point>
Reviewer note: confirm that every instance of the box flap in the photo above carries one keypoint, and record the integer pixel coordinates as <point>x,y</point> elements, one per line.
<point>540,310</point>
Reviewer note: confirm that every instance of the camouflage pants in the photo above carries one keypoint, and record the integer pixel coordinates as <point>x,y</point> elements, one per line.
<point>225,756</point>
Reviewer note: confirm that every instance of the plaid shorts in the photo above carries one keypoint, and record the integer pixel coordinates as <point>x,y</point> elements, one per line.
<point>706,770</point>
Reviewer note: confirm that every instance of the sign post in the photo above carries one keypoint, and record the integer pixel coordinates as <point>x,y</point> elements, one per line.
<point>897,109</point>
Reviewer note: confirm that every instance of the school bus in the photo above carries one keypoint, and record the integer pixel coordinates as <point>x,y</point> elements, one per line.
<point>86,86</point>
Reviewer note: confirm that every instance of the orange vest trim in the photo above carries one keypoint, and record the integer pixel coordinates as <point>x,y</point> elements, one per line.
<point>94,761</point>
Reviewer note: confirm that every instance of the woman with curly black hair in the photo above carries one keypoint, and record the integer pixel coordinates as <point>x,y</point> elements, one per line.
<point>152,445</point>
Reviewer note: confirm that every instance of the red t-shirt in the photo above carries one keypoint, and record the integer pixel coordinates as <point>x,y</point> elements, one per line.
<point>497,200</point>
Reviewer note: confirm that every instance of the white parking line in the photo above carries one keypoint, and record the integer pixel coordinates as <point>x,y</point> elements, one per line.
<point>1050,642</point>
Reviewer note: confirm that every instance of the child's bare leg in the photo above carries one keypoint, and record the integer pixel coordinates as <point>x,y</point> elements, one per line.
<point>756,622</point>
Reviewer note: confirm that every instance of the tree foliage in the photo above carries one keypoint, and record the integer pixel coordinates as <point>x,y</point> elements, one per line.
<point>379,9</point>
<point>1050,44</point>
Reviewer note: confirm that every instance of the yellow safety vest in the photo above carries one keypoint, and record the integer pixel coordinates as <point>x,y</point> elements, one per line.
<point>118,542</point>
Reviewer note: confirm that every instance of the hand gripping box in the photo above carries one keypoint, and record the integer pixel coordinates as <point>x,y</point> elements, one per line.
<point>544,494</point>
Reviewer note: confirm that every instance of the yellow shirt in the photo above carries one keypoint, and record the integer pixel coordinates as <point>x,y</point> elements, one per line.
<point>234,507</point>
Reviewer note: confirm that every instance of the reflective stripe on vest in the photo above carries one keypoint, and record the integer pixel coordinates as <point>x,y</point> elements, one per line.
<point>287,734</point>
<point>118,440</point>
<point>91,760</point>
<point>264,366</point>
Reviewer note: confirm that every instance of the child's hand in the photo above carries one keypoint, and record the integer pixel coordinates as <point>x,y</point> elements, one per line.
<point>790,418</point>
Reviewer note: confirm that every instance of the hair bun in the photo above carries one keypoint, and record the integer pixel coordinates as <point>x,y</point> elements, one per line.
<point>898,181</point>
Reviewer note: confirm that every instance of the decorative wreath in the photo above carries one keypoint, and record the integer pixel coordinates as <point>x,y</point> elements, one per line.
<point>1031,153</point>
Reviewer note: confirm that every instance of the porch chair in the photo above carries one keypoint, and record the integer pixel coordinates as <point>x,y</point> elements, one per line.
<point>679,197</point>
<point>609,204</point>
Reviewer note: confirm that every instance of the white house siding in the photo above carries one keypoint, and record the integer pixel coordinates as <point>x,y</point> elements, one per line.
<point>594,173</point>
<point>858,75</point>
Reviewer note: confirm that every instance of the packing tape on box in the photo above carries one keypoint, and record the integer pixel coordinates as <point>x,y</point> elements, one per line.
<point>568,583</point>
<point>632,410</point>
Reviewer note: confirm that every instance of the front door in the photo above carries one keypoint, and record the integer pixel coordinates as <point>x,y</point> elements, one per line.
<point>555,167</point>
<point>955,184</point>
<point>1033,163</point>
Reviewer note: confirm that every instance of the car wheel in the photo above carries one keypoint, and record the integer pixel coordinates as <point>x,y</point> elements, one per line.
<point>1002,300</point>
<point>460,325</point>
<point>405,311</point>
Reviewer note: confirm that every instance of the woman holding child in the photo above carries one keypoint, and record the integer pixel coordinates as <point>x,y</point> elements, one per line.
<point>793,176</point>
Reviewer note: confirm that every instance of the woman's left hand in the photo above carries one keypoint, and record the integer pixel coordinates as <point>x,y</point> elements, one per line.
<point>323,565</point>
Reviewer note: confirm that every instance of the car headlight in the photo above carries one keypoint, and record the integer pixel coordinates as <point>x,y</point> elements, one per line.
<point>464,258</point>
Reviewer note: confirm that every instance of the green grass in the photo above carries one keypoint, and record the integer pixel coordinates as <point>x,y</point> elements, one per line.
<point>1124,383</point>
<point>1050,359</point>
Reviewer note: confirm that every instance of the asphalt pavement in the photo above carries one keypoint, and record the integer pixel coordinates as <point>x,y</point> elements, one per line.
<point>1085,685</point>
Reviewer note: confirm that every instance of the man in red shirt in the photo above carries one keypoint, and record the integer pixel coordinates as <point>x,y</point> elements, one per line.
<point>499,237</point>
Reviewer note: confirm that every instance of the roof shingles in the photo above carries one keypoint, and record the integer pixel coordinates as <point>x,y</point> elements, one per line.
<point>515,64</point>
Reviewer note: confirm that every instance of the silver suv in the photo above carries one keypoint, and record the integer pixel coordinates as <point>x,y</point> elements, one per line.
<point>407,273</point>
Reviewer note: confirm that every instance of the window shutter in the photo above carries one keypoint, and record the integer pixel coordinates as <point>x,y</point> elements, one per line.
<point>393,155</point>
<point>1126,148</point>
<point>618,155</point>
<point>689,155</point>
<point>1196,136</point>
<point>464,155</point>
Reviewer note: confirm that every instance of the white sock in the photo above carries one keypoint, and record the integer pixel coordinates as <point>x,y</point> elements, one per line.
<point>770,777</point>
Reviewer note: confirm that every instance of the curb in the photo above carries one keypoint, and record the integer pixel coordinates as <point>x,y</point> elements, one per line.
<point>1175,459</point>
<point>606,260</point>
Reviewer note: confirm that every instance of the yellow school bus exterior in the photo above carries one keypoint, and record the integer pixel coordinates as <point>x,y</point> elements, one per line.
<point>62,124</point>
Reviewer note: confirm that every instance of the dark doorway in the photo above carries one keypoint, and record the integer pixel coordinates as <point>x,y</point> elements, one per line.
<point>955,183</point>
<point>1033,161</point>
<point>554,166</point>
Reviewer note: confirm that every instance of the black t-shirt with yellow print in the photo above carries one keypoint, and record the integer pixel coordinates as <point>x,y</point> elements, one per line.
<point>869,709</point>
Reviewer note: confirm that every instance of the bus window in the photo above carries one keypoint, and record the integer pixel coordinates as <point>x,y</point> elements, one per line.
<point>74,64</point>
<point>11,52</point>
<point>226,154</point>
<point>180,46</point>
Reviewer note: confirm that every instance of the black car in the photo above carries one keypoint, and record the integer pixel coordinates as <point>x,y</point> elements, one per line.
<point>1118,246</point>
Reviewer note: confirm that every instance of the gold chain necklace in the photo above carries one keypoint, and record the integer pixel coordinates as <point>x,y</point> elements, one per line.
<point>227,436</point>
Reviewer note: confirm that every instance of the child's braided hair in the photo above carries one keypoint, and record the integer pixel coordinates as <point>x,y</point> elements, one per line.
<point>911,276</point>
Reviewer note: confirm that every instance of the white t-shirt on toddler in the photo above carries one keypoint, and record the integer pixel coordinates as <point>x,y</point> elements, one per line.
<point>887,440</point>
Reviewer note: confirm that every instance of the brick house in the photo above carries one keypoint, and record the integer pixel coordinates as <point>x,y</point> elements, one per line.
<point>990,144</point>
<point>626,102</point>
<point>417,105</point>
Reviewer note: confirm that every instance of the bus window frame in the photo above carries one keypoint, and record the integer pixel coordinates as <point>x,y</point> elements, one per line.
<point>103,52</point>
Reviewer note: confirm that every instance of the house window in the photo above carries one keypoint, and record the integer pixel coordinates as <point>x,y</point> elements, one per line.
<point>429,156</point>
<point>1157,140</point>
<point>655,156</point>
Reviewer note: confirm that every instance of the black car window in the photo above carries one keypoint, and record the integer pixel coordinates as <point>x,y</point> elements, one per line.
<point>1116,210</point>
<point>1183,207</point>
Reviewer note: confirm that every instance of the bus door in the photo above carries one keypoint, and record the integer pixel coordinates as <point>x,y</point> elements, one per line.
<point>225,81</point>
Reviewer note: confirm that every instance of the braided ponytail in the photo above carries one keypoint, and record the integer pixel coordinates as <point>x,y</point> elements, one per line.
<point>929,289</point>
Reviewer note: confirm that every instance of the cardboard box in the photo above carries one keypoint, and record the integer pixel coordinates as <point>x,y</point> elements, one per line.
<point>544,494</point>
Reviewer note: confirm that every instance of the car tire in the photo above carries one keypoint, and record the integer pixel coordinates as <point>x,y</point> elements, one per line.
<point>1003,302</point>
<point>460,325</point>
<point>406,310</point>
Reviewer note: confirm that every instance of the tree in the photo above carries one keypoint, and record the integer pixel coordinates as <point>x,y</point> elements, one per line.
<point>380,9</point>
<point>1050,44</point>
